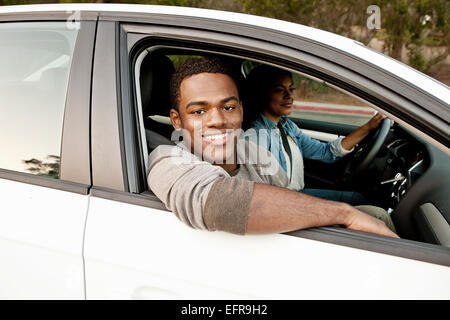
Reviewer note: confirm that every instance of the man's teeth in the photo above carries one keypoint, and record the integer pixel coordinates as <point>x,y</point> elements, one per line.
<point>215,137</point>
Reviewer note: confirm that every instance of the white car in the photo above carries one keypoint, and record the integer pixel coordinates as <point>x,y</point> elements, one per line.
<point>82,104</point>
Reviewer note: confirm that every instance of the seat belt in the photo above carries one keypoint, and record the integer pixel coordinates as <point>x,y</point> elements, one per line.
<point>286,146</point>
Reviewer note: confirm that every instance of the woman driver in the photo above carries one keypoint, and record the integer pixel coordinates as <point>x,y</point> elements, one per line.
<point>269,92</point>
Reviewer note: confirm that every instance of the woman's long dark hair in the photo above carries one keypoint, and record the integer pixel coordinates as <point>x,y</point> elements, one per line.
<point>255,93</point>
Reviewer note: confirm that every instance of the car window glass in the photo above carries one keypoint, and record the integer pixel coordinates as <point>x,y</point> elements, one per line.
<point>317,100</point>
<point>35,59</point>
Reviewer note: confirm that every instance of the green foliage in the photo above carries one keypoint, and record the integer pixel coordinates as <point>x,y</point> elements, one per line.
<point>412,24</point>
<point>408,24</point>
<point>16,2</point>
<point>41,168</point>
<point>177,60</point>
<point>417,59</point>
<point>157,2</point>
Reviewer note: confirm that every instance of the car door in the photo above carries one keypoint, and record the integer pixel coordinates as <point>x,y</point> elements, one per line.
<point>136,249</point>
<point>44,163</point>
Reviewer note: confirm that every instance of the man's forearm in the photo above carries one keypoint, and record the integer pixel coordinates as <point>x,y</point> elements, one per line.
<point>275,210</point>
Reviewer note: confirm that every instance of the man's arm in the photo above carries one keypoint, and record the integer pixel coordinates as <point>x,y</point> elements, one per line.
<point>275,210</point>
<point>204,197</point>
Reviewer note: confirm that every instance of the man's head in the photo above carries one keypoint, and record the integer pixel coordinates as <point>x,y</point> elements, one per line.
<point>206,105</point>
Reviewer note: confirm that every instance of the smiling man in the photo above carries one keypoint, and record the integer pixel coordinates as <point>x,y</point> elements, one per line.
<point>208,182</point>
<point>211,116</point>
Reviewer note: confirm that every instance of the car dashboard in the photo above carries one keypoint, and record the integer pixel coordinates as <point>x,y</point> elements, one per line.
<point>415,182</point>
<point>407,161</point>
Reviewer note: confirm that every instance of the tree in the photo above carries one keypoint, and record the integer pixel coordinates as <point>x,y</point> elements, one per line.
<point>414,24</point>
<point>409,24</point>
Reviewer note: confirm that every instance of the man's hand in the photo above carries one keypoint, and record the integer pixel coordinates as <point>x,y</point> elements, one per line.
<point>360,221</point>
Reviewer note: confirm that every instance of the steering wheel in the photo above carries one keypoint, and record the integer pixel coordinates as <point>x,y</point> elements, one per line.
<point>366,150</point>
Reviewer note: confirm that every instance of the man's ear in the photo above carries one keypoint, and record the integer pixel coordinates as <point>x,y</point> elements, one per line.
<point>175,119</point>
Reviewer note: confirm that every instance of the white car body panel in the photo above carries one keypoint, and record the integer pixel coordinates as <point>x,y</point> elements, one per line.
<point>134,252</point>
<point>41,238</point>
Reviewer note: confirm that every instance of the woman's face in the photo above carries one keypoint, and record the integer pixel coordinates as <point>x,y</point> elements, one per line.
<point>281,97</point>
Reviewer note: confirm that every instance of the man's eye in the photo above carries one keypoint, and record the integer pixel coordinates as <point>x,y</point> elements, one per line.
<point>228,108</point>
<point>200,111</point>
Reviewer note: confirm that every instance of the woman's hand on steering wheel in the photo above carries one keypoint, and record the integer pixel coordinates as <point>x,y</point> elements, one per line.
<point>375,121</point>
<point>367,149</point>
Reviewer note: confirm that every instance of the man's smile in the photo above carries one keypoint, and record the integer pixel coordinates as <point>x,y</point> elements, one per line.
<point>217,139</point>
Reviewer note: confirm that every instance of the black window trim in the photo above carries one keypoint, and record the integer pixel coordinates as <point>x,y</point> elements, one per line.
<point>403,248</point>
<point>107,136</point>
<point>43,181</point>
<point>75,146</point>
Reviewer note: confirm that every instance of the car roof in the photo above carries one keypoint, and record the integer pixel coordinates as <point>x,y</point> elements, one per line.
<point>343,44</point>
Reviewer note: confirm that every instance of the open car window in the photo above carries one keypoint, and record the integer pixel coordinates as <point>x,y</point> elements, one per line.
<point>322,111</point>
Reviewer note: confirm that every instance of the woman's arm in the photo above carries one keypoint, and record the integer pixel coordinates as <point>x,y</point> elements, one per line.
<point>356,136</point>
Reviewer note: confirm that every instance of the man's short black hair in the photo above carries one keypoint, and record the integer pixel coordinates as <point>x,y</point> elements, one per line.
<point>195,66</point>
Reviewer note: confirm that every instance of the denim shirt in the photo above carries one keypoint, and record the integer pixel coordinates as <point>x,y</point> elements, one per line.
<point>309,148</point>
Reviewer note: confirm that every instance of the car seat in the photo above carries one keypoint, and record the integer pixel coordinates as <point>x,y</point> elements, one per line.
<point>155,74</point>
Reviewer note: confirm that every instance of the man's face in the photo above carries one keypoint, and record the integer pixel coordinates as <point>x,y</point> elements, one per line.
<point>210,112</point>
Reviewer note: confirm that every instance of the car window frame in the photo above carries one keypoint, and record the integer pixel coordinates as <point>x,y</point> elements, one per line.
<point>75,172</point>
<point>181,39</point>
<point>126,35</point>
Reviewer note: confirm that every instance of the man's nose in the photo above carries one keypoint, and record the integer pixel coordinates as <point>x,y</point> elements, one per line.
<point>215,118</point>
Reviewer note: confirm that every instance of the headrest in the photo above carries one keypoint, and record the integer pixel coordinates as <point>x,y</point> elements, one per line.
<point>156,70</point>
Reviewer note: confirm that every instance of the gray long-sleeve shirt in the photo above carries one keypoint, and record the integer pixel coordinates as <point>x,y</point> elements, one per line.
<point>205,196</point>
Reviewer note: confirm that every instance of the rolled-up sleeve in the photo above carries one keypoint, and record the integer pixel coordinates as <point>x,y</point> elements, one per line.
<point>227,205</point>
<point>337,149</point>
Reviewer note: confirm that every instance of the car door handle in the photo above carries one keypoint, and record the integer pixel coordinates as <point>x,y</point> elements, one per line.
<point>152,293</point>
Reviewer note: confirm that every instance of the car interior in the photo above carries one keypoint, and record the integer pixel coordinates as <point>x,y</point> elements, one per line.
<point>392,167</point>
